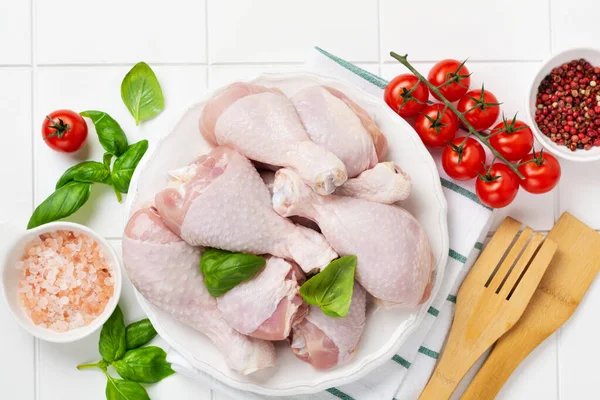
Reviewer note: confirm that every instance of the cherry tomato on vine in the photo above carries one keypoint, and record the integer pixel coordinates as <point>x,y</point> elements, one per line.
<point>64,130</point>
<point>480,108</point>
<point>498,186</point>
<point>454,77</point>
<point>541,171</point>
<point>513,139</point>
<point>401,99</point>
<point>463,160</point>
<point>436,125</point>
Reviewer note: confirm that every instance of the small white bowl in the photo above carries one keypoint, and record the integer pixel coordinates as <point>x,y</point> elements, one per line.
<point>12,247</point>
<point>593,57</point>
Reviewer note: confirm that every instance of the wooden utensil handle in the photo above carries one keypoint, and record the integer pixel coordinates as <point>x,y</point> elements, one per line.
<point>447,375</point>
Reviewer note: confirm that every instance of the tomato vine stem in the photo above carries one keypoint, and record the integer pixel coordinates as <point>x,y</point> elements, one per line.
<point>470,130</point>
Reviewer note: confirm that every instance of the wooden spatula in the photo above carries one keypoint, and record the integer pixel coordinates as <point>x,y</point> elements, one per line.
<point>490,301</point>
<point>574,267</point>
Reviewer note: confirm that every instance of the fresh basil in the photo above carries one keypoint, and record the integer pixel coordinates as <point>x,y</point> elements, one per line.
<point>224,270</point>
<point>60,204</point>
<point>142,93</point>
<point>124,165</point>
<point>110,134</point>
<point>331,289</point>
<point>119,389</point>
<point>139,333</point>
<point>144,365</point>
<point>107,159</point>
<point>113,343</point>
<point>86,172</point>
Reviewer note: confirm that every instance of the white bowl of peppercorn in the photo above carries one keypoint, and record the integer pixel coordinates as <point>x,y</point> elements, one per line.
<point>564,104</point>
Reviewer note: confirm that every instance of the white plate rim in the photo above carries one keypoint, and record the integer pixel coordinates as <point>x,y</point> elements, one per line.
<point>381,356</point>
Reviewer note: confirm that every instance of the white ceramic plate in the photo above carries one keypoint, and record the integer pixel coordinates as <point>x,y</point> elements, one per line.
<point>386,330</point>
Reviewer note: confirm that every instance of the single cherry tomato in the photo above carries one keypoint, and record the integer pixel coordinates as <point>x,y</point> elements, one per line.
<point>513,140</point>
<point>399,97</point>
<point>463,160</point>
<point>436,125</point>
<point>64,130</point>
<point>480,108</point>
<point>498,186</point>
<point>541,171</point>
<point>451,77</point>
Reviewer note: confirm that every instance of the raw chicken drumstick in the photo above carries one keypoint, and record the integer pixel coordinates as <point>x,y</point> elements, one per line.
<point>262,124</point>
<point>324,341</point>
<point>395,261</point>
<point>165,270</point>
<point>222,202</point>
<point>386,183</point>
<point>330,123</point>
<point>266,306</point>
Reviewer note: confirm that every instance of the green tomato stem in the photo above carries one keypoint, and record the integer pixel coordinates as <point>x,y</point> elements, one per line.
<point>471,131</point>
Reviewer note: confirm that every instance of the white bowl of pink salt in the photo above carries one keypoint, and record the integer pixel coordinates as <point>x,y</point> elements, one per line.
<point>61,280</point>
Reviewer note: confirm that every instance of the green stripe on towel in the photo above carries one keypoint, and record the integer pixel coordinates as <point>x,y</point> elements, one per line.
<point>451,298</point>
<point>478,245</point>
<point>428,352</point>
<point>457,256</point>
<point>339,394</point>
<point>366,75</point>
<point>401,361</point>
<point>462,191</point>
<point>433,311</point>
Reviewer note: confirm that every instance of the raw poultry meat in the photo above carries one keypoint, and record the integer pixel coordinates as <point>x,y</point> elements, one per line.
<point>263,125</point>
<point>222,202</point>
<point>386,183</point>
<point>379,139</point>
<point>324,341</point>
<point>330,123</point>
<point>266,306</point>
<point>395,262</point>
<point>165,270</point>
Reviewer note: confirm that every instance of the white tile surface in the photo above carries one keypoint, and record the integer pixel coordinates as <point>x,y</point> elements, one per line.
<point>15,32</point>
<point>115,31</point>
<point>273,30</point>
<point>573,24</point>
<point>480,30</point>
<point>85,88</point>
<point>579,191</point>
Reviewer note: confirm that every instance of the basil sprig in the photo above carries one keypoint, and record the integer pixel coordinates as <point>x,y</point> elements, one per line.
<point>224,270</point>
<point>142,93</point>
<point>139,334</point>
<point>125,164</point>
<point>121,347</point>
<point>331,289</point>
<point>86,172</point>
<point>60,204</point>
<point>110,133</point>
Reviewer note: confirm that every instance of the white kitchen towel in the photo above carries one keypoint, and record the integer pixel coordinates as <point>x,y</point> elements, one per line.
<point>405,375</point>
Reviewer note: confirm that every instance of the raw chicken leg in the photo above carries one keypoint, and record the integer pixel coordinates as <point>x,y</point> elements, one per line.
<point>325,342</point>
<point>263,125</point>
<point>266,306</point>
<point>378,137</point>
<point>224,203</point>
<point>165,270</point>
<point>386,183</point>
<point>330,123</point>
<point>395,261</point>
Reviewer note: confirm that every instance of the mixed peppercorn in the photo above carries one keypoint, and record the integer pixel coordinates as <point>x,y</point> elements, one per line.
<point>568,105</point>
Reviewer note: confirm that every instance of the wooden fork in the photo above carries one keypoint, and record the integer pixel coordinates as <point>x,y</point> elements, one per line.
<point>490,301</point>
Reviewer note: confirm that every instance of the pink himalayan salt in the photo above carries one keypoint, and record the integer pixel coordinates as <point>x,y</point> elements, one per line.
<point>66,281</point>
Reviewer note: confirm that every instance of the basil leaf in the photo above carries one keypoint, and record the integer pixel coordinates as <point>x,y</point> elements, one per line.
<point>139,333</point>
<point>224,270</point>
<point>141,93</point>
<point>331,289</point>
<point>144,365</point>
<point>107,159</point>
<point>110,134</point>
<point>119,389</point>
<point>60,204</point>
<point>87,172</point>
<point>125,164</point>
<point>112,343</point>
